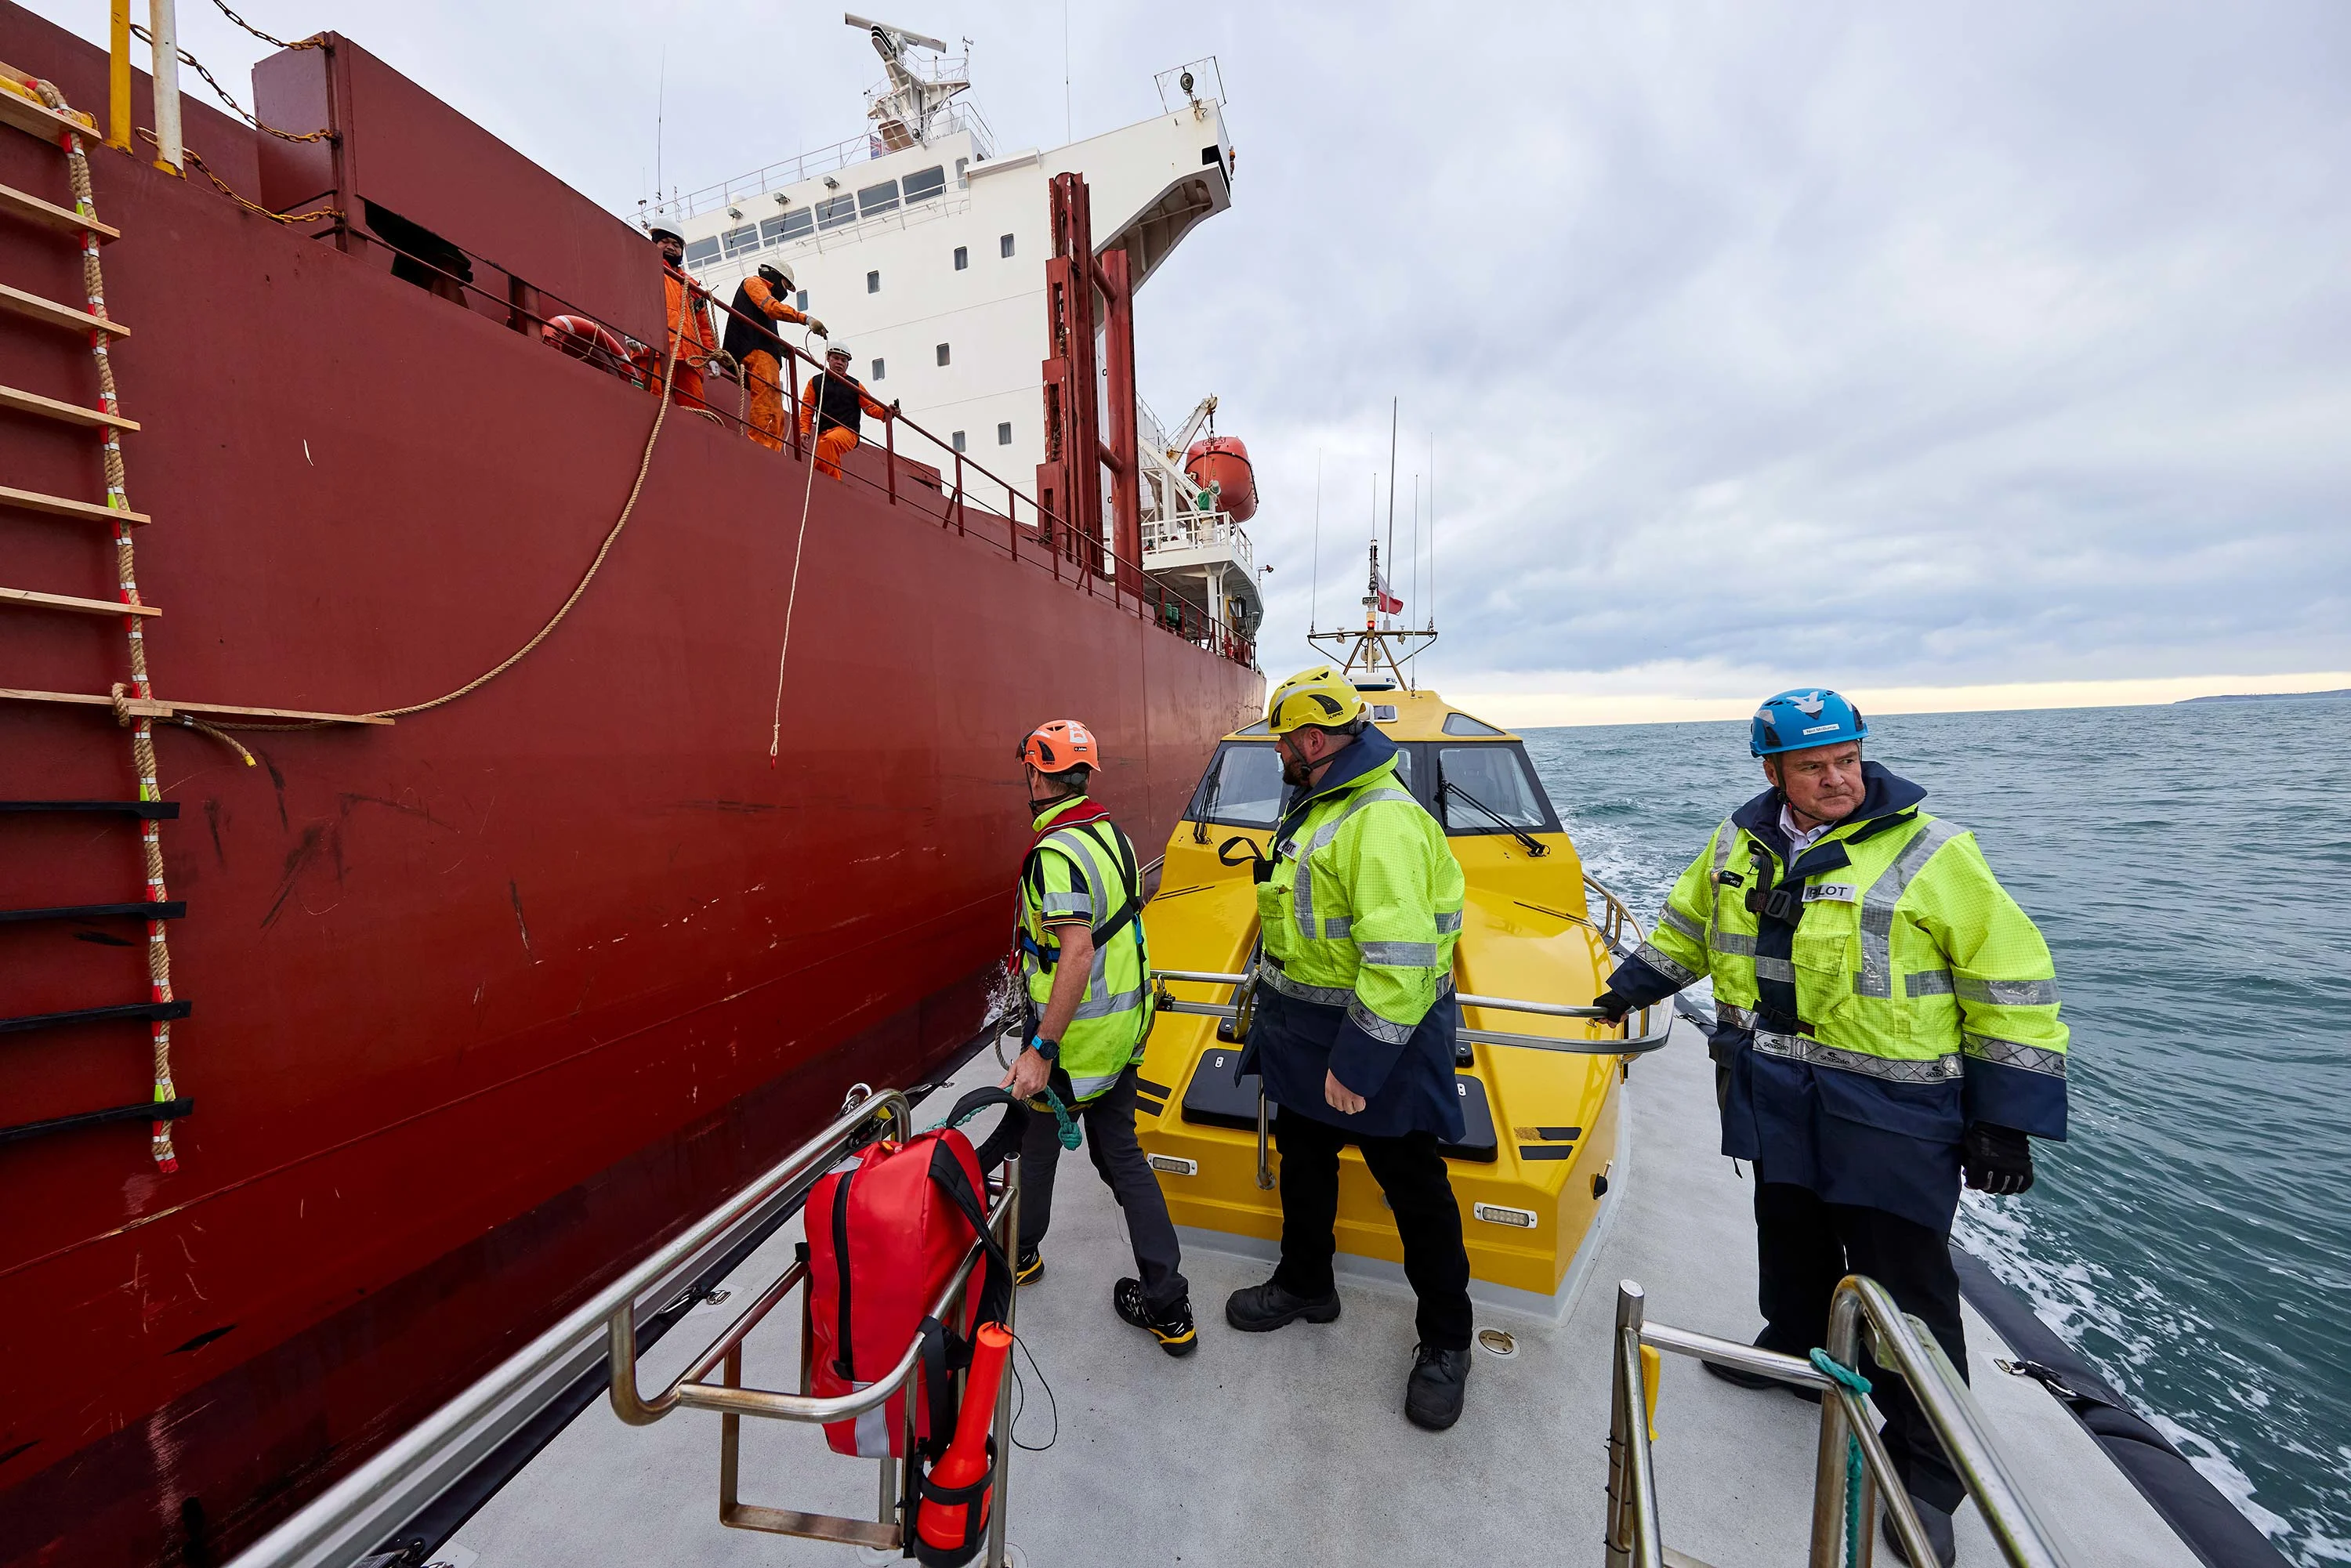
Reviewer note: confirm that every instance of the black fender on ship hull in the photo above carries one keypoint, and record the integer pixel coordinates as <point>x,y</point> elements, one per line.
<point>2195,1509</point>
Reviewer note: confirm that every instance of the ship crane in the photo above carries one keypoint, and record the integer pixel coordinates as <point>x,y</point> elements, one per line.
<point>906,105</point>
<point>1203,412</point>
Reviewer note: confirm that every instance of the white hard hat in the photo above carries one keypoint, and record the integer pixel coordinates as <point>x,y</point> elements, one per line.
<point>835,346</point>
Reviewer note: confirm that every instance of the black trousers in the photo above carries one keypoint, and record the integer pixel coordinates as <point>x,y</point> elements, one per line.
<point>1412,1172</point>
<point>1804,1247</point>
<point>1109,1124</point>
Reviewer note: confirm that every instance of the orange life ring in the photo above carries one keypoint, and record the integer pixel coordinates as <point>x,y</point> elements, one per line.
<point>582,339</point>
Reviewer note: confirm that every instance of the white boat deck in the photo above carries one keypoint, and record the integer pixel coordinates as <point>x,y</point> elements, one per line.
<point>1292,1448</point>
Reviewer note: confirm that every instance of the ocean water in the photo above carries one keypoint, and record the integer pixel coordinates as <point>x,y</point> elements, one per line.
<point>2191,868</point>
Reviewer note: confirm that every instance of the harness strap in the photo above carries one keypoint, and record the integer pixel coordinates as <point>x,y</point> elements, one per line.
<point>845,1364</point>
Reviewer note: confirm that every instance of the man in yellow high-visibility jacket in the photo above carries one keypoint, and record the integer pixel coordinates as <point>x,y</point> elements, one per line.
<point>1352,1035</point>
<point>1886,1024</point>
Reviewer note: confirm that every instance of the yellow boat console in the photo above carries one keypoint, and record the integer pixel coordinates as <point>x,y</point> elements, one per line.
<point>1537,1072</point>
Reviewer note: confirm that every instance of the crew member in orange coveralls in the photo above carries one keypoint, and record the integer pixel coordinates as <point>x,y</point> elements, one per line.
<point>694,347</point>
<point>831,403</point>
<point>764,293</point>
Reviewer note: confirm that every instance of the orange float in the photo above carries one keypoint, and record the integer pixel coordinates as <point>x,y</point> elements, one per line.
<point>1223,462</point>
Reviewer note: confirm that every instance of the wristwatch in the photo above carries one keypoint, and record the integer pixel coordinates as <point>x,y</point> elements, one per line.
<point>1050,1050</point>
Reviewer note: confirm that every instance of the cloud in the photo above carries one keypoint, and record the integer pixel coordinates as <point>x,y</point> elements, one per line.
<point>1918,346</point>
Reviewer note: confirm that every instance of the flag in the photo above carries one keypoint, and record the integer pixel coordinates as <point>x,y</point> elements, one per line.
<point>1389,603</point>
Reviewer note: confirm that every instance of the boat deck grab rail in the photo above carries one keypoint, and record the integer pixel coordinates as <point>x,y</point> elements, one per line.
<point>733,1401</point>
<point>1902,1346</point>
<point>354,1519</point>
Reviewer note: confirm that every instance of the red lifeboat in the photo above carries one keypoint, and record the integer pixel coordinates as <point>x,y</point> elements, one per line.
<point>1223,462</point>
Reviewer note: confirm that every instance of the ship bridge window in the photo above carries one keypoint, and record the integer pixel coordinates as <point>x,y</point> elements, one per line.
<point>881,198</point>
<point>963,257</point>
<point>835,211</point>
<point>701,252</point>
<point>1004,245</point>
<point>958,441</point>
<point>1004,434</point>
<point>1462,723</point>
<point>872,283</point>
<point>1496,777</point>
<point>786,225</point>
<point>742,241</point>
<point>924,184</point>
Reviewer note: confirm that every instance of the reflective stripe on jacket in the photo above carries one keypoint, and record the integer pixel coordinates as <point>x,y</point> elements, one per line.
<point>1887,955</point>
<point>1088,870</point>
<point>1361,914</point>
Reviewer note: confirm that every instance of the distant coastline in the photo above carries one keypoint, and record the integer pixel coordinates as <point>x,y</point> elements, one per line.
<point>2264,697</point>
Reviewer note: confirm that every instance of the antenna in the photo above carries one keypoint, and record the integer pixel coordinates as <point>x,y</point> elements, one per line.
<point>1392,405</point>
<point>902,108</point>
<point>1314,582</point>
<point>661,104</point>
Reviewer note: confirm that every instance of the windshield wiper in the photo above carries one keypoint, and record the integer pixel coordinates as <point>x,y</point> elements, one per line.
<point>1208,801</point>
<point>1445,786</point>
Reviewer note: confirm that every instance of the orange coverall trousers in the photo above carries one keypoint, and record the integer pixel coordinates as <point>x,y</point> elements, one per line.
<point>766,399</point>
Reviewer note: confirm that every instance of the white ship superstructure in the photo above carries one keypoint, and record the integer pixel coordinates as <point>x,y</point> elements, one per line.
<point>924,249</point>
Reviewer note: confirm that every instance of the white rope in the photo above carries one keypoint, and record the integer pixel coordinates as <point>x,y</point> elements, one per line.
<point>792,596</point>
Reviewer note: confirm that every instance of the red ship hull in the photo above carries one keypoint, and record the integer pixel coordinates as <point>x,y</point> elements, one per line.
<point>486,1002</point>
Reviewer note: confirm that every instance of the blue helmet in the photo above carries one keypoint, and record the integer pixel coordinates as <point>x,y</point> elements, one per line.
<point>1800,720</point>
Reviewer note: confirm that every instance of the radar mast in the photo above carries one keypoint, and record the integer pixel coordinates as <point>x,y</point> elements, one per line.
<point>1379,653</point>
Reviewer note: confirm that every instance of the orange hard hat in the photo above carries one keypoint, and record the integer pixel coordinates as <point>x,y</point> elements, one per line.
<point>1058,747</point>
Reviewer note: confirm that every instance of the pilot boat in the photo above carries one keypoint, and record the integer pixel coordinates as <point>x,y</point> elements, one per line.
<point>1539,1072</point>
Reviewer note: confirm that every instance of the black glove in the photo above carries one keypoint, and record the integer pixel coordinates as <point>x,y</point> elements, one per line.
<point>1614,1007</point>
<point>1998,1160</point>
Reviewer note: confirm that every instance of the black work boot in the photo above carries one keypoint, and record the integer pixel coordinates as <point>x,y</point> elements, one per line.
<point>1262,1308</point>
<point>1172,1328</point>
<point>1740,1377</point>
<point>1432,1395</point>
<point>1029,1268</point>
<point>1939,1534</point>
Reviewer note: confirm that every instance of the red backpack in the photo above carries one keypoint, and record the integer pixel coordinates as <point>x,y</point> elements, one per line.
<point>886,1229</point>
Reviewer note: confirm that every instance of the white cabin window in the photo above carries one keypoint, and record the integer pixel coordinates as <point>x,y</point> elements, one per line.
<point>786,225</point>
<point>1004,245</point>
<point>963,256</point>
<point>835,211</point>
<point>924,184</point>
<point>743,240</point>
<point>1004,434</point>
<point>872,283</point>
<point>701,252</point>
<point>957,439</point>
<point>943,354</point>
<point>802,301</point>
<point>877,369</point>
<point>881,198</point>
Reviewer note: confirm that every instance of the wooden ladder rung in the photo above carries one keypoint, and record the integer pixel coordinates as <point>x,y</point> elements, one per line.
<point>171,909</point>
<point>39,119</point>
<point>164,709</point>
<point>141,1111</point>
<point>71,413</point>
<point>61,507</point>
<point>55,314</point>
<point>27,599</point>
<point>152,809</point>
<point>49,216</point>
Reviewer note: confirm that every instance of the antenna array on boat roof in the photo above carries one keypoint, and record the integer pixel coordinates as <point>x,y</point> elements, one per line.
<point>904,107</point>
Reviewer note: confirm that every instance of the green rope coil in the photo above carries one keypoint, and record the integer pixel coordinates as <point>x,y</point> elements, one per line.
<point>1846,1376</point>
<point>1065,1127</point>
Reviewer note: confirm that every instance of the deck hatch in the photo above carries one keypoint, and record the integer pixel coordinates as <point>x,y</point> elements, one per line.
<point>1213,1100</point>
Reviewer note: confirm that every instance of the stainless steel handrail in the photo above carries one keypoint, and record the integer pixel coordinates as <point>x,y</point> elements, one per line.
<point>351,1519</point>
<point>1649,1038</point>
<point>1902,1347</point>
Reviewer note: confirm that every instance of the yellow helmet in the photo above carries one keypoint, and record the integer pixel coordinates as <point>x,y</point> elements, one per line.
<point>1319,695</point>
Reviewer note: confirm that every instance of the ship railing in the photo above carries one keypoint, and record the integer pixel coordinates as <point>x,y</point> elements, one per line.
<point>1197,529</point>
<point>374,1511</point>
<point>785,173</point>
<point>1845,1495</point>
<point>952,489</point>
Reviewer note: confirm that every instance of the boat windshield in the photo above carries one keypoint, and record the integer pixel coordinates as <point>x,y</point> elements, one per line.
<point>1495,778</point>
<point>1243,786</point>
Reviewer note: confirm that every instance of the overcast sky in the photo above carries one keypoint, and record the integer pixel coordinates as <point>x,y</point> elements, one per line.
<point>1895,347</point>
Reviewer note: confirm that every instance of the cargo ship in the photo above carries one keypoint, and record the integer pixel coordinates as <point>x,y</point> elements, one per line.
<point>465,812</point>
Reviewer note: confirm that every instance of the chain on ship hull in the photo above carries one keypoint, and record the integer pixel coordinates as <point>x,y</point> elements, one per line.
<point>483,1002</point>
